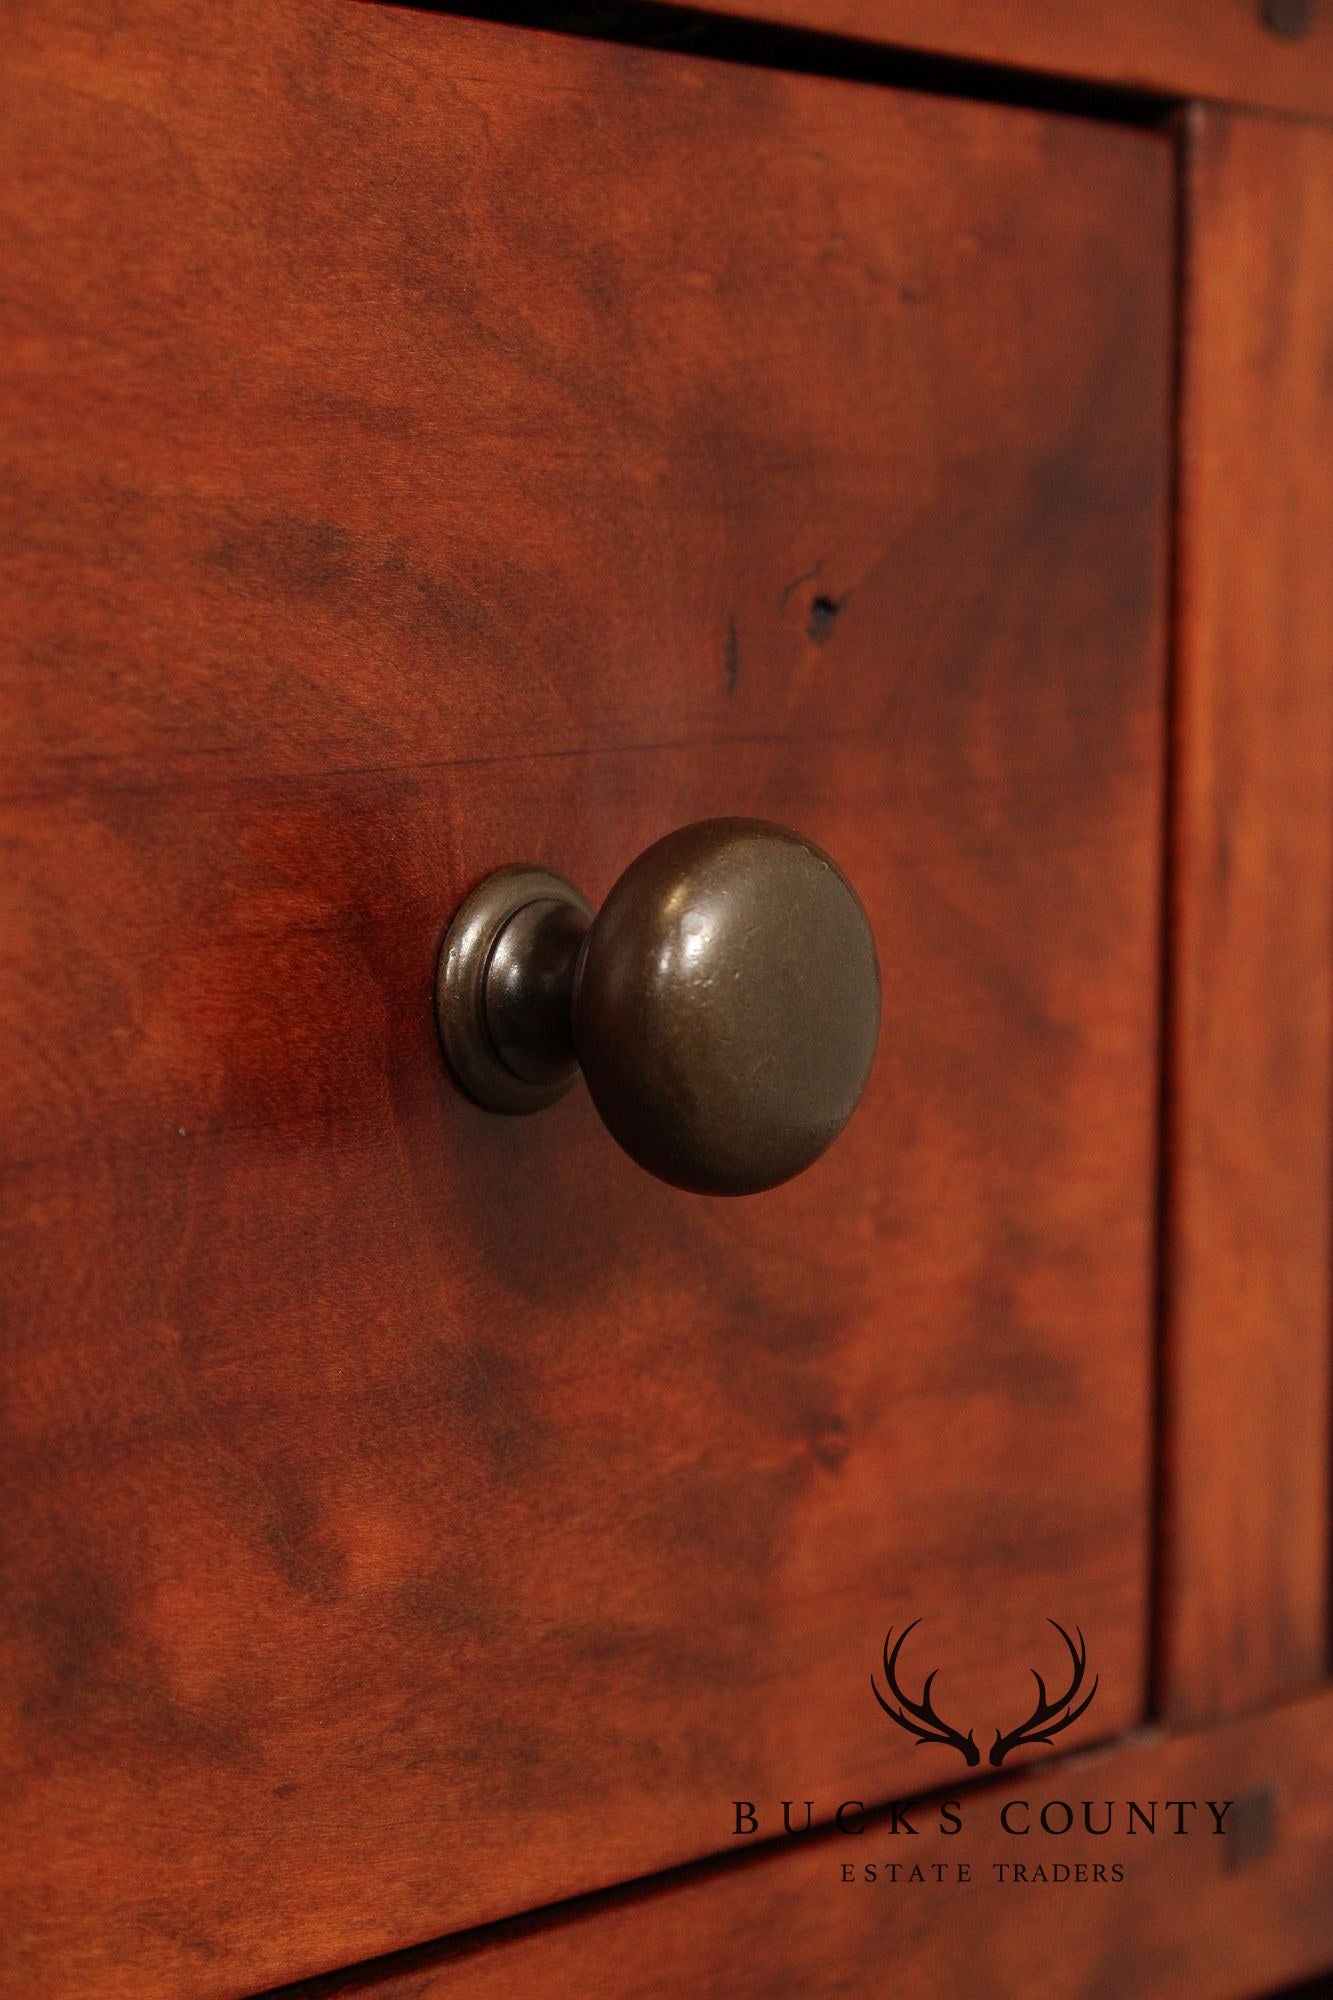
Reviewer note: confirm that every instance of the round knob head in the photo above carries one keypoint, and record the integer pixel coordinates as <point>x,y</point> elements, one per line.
<point>728,1006</point>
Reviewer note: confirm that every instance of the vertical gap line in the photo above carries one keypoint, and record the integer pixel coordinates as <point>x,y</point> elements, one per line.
<point>1162,1479</point>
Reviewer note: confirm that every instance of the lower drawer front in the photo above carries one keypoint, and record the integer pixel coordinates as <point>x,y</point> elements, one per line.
<point>433,445</point>
<point>972,1907</point>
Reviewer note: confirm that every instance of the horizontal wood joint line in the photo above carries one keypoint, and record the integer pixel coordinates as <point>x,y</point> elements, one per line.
<point>761,44</point>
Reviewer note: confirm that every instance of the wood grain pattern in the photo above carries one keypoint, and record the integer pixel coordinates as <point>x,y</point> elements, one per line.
<point>1248,1255</point>
<point>1217,1918</point>
<point>430,444</point>
<point>1218,49</point>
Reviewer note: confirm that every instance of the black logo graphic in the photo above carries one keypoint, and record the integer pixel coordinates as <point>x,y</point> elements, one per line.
<point>920,1720</point>
<point>1048,1718</point>
<point>1046,1721</point>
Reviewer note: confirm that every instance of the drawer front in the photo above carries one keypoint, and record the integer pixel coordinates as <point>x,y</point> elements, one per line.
<point>432,445</point>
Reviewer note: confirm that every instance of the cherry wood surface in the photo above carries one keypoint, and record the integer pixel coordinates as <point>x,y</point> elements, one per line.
<point>1248,1305</point>
<point>426,445</point>
<point>1214,1917</point>
<point>1219,49</point>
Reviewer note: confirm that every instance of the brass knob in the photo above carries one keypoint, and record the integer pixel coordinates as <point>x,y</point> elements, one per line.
<point>723,1004</point>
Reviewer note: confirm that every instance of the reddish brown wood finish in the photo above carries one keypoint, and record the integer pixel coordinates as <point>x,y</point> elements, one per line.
<point>1215,1917</point>
<point>431,444</point>
<point>1220,49</point>
<point>1248,1253</point>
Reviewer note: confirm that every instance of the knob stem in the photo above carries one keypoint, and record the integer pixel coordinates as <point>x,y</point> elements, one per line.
<point>528,998</point>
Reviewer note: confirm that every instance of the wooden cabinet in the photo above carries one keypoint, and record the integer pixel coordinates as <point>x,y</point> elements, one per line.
<point>433,443</point>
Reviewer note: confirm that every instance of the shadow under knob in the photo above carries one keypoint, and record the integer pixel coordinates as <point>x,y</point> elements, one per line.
<point>723,1005</point>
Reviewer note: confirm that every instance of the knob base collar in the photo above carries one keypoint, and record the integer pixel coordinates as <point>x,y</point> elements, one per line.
<point>504,988</point>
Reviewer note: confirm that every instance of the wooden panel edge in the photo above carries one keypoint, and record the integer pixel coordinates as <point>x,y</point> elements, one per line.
<point>1245,1559</point>
<point>1188,49</point>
